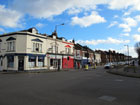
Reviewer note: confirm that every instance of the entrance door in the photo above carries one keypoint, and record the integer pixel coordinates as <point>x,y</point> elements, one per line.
<point>20,63</point>
<point>55,63</point>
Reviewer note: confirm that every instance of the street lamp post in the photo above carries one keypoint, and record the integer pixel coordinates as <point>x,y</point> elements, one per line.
<point>56,48</point>
<point>128,52</point>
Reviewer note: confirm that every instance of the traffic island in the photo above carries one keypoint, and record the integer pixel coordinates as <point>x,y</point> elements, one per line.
<point>128,71</point>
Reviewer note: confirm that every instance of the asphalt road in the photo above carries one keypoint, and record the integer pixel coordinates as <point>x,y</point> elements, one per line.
<point>94,87</point>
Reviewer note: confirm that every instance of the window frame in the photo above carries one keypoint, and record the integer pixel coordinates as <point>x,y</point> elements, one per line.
<point>11,46</point>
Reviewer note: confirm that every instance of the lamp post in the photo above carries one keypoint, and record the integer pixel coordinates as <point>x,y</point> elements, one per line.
<point>128,52</point>
<point>57,26</point>
<point>56,43</point>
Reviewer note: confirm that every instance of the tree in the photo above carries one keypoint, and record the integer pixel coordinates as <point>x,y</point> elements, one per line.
<point>137,49</point>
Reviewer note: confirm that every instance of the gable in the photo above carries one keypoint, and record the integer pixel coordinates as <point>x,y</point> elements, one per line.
<point>68,46</point>
<point>11,38</point>
<point>37,40</point>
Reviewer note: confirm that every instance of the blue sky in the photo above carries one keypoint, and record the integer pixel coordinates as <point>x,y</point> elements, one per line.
<point>99,24</point>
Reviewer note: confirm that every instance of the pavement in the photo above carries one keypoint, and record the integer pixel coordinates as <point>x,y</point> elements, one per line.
<point>80,87</point>
<point>131,71</point>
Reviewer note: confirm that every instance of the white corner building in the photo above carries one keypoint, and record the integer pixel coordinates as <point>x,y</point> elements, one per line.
<point>29,50</point>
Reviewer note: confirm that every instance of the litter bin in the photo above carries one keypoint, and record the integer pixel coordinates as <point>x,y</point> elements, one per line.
<point>94,66</point>
<point>86,67</point>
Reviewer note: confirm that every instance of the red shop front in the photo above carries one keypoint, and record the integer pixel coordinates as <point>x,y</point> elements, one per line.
<point>68,62</point>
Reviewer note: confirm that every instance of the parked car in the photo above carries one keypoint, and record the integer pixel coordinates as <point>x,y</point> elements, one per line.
<point>108,65</point>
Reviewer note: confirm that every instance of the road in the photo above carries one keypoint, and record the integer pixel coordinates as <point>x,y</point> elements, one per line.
<point>93,87</point>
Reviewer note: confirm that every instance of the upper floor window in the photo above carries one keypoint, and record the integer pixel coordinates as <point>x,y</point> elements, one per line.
<point>78,53</point>
<point>68,50</point>
<point>54,49</point>
<point>37,47</point>
<point>11,46</point>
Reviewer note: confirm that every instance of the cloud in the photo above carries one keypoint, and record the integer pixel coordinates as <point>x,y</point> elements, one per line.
<point>49,8</point>
<point>136,37</point>
<point>128,23</point>
<point>2,30</point>
<point>113,24</point>
<point>139,29</point>
<point>125,27</point>
<point>125,34</point>
<point>132,51</point>
<point>109,40</point>
<point>137,18</point>
<point>9,18</point>
<point>39,25</point>
<point>86,21</point>
<point>124,4</point>
<point>115,16</point>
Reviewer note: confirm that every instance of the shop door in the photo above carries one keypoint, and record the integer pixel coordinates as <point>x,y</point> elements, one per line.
<point>20,63</point>
<point>55,63</point>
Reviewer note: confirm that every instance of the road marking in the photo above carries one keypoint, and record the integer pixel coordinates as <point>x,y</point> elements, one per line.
<point>119,80</point>
<point>107,98</point>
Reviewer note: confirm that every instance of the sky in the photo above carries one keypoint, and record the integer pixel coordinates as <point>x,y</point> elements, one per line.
<point>99,24</point>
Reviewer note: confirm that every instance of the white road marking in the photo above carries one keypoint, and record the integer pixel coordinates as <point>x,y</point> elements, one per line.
<point>119,80</point>
<point>107,98</point>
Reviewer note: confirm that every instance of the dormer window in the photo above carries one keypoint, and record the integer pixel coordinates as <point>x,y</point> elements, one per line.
<point>33,30</point>
<point>63,39</point>
<point>54,37</point>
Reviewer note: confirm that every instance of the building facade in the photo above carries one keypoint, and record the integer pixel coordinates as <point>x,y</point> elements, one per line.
<point>29,50</point>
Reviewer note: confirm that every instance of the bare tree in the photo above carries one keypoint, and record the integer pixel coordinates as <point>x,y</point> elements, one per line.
<point>137,48</point>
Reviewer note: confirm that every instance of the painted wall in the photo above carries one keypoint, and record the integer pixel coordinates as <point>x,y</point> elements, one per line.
<point>68,64</point>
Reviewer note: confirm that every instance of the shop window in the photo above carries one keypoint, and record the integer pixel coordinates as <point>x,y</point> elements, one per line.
<point>40,61</point>
<point>10,61</point>
<point>32,61</point>
<point>51,62</point>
